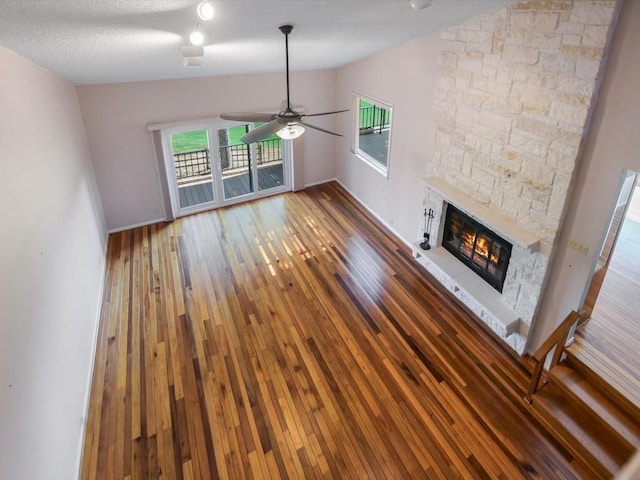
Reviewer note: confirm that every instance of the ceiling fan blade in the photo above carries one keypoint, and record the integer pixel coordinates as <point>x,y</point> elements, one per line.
<point>321,129</point>
<point>323,113</point>
<point>264,131</point>
<point>248,116</point>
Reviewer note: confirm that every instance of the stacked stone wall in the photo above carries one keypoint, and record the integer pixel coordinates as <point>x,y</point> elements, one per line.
<point>513,102</point>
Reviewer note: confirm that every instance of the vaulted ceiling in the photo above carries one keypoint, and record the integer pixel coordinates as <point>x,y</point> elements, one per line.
<point>104,41</point>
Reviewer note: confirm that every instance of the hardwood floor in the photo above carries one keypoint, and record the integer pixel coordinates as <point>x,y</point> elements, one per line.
<point>609,342</point>
<point>293,337</point>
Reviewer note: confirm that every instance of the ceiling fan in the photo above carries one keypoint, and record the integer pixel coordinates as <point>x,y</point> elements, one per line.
<point>288,123</point>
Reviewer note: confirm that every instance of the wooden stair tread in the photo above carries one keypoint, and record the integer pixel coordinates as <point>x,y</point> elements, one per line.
<point>595,446</point>
<point>608,413</point>
<point>606,375</point>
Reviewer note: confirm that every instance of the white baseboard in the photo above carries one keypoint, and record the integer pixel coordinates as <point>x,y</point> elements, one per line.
<point>92,361</point>
<point>136,225</point>
<point>368,209</point>
<point>313,184</point>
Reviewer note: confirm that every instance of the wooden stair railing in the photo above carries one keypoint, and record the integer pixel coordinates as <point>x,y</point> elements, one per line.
<point>557,339</point>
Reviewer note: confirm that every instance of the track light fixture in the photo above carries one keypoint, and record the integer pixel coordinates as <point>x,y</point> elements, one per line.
<point>192,51</point>
<point>420,4</point>
<point>192,54</point>
<point>196,38</point>
<point>205,10</point>
<point>192,61</point>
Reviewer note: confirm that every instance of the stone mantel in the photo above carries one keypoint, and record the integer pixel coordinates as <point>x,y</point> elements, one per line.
<point>501,225</point>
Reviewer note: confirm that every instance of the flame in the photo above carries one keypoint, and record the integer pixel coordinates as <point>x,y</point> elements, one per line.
<point>468,237</point>
<point>482,251</point>
<point>476,247</point>
<point>482,247</point>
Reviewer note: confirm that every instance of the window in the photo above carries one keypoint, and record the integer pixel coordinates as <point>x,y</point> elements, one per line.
<point>371,140</point>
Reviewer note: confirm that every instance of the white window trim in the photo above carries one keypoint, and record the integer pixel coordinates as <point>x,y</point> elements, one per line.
<point>355,137</point>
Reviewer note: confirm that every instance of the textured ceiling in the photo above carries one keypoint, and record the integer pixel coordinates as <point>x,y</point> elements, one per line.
<point>104,41</point>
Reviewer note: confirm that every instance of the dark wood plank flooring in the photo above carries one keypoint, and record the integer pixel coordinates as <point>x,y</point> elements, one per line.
<point>294,337</point>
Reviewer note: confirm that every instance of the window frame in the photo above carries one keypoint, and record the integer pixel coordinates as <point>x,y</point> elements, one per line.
<point>355,137</point>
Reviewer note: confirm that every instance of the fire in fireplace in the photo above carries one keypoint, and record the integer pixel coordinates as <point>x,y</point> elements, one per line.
<point>482,250</point>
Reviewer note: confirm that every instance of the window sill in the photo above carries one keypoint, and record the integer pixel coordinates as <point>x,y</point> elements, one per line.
<point>384,171</point>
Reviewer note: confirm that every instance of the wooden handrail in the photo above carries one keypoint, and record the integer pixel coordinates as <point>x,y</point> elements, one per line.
<point>557,339</point>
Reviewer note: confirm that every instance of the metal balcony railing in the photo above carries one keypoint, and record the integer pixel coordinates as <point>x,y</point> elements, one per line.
<point>238,156</point>
<point>192,164</point>
<point>374,118</point>
<point>197,163</point>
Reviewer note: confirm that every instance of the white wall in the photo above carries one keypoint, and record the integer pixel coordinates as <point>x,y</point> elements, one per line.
<point>116,117</point>
<point>405,77</point>
<point>52,253</point>
<point>613,145</point>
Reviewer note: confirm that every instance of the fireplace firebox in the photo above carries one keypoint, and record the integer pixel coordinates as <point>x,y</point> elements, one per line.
<point>482,250</point>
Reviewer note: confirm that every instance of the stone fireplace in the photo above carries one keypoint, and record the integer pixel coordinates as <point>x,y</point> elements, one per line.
<point>507,310</point>
<point>512,105</point>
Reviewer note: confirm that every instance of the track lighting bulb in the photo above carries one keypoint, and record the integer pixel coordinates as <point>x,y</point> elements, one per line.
<point>196,38</point>
<point>205,10</point>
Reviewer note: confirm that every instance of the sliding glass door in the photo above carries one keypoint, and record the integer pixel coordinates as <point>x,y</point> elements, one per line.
<point>208,166</point>
<point>191,168</point>
<point>236,162</point>
<point>270,164</point>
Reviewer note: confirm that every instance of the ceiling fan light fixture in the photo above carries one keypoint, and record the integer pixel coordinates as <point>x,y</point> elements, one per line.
<point>420,4</point>
<point>290,132</point>
<point>205,10</point>
<point>196,38</point>
<point>287,123</point>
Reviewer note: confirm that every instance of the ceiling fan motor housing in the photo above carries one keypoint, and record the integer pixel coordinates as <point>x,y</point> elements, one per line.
<point>286,29</point>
